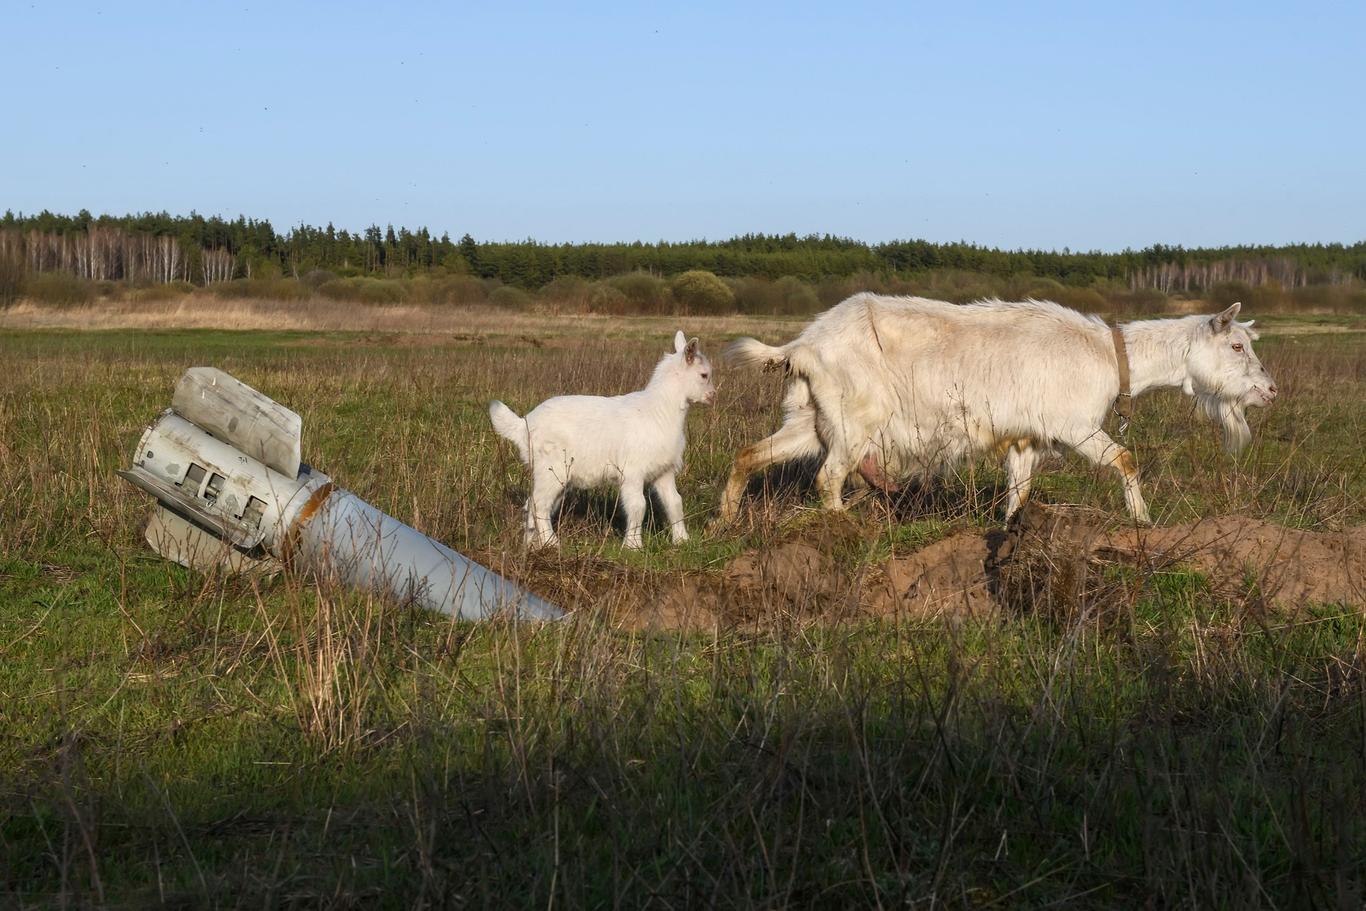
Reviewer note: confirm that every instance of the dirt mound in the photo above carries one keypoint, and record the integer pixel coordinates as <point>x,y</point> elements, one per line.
<point>1050,559</point>
<point>1288,565</point>
<point>791,580</point>
<point>1052,553</point>
<point>796,572</point>
<point>947,576</point>
<point>692,603</point>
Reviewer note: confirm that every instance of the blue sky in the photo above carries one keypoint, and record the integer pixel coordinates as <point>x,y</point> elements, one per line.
<point>1018,125</point>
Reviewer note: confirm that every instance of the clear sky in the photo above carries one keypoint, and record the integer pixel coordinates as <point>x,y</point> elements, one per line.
<point>1088,125</point>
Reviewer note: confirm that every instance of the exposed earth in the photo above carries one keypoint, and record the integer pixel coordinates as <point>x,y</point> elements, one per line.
<point>1050,558</point>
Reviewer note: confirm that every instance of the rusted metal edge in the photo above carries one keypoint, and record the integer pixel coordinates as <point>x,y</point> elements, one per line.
<point>309,510</point>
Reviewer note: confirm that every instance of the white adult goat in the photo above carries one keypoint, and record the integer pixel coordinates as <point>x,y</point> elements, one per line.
<point>887,386</point>
<point>630,440</point>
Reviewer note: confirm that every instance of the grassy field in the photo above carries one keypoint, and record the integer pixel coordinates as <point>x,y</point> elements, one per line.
<point>168,738</point>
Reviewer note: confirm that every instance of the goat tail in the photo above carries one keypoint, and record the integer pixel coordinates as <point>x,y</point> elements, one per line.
<point>511,428</point>
<point>749,352</point>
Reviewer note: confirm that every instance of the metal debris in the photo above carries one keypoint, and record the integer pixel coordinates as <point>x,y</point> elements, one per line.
<point>223,463</point>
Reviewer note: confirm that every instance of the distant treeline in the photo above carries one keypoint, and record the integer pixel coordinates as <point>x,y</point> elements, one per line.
<point>154,249</point>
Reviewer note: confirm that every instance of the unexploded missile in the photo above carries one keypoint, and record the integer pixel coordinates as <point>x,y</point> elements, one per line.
<point>223,463</point>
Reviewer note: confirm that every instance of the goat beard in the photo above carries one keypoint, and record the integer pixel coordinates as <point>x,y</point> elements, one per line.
<point>1231,416</point>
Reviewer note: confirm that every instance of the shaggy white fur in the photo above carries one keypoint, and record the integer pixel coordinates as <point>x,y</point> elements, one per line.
<point>629,440</point>
<point>889,386</point>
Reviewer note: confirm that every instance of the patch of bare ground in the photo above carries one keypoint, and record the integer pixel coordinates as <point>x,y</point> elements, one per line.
<point>1057,555</point>
<point>947,577</point>
<point>795,580</point>
<point>790,582</point>
<point>1051,559</point>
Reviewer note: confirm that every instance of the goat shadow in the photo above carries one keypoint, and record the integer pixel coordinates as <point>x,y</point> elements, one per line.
<point>918,498</point>
<point>588,511</point>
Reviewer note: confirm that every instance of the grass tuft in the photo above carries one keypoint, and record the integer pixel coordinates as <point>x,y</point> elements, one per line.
<point>1116,737</point>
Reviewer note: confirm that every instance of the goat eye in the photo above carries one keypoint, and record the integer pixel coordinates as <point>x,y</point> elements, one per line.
<point>1237,346</point>
<point>705,375</point>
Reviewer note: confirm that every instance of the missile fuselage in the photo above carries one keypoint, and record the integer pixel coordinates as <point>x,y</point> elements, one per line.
<point>223,464</point>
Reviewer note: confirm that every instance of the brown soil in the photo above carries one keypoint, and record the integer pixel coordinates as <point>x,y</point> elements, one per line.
<point>1052,558</point>
<point>948,576</point>
<point>793,580</point>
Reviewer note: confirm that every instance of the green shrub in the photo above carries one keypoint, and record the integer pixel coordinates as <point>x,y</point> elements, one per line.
<point>795,297</point>
<point>1225,293</point>
<point>1087,300</point>
<point>956,285</point>
<point>509,298</point>
<point>831,291</point>
<point>701,292</point>
<point>644,292</point>
<point>1014,287</point>
<point>455,264</point>
<point>112,290</point>
<point>165,292</point>
<point>1265,298</point>
<point>568,291</point>
<point>1142,302</point>
<point>422,290</point>
<point>1328,298</point>
<point>279,289</point>
<point>1033,286</point>
<point>426,290</point>
<point>58,289</point>
<point>377,291</point>
<point>381,291</point>
<point>263,268</point>
<point>315,278</point>
<point>607,300</point>
<point>752,295</point>
<point>11,279</point>
<point>788,296</point>
<point>339,289</point>
<point>454,290</point>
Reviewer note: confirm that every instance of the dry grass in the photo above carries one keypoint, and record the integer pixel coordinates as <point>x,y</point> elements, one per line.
<point>426,322</point>
<point>321,315</point>
<point>1134,739</point>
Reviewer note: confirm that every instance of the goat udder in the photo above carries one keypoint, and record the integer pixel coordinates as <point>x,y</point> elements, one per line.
<point>872,473</point>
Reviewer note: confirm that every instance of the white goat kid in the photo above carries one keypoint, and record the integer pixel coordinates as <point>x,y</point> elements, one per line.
<point>630,440</point>
<point>886,386</point>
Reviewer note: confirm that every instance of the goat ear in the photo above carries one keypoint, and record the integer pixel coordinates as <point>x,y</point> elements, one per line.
<point>679,341</point>
<point>690,352</point>
<point>1221,322</point>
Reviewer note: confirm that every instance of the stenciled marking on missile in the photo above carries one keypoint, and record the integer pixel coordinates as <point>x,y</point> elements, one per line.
<point>248,492</point>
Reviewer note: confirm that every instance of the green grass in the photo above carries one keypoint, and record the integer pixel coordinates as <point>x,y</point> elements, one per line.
<point>170,738</point>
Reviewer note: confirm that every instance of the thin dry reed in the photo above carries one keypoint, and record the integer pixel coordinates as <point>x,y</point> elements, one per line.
<point>1117,738</point>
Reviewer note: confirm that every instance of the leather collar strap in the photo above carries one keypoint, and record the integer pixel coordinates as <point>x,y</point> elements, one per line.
<point>1124,406</point>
